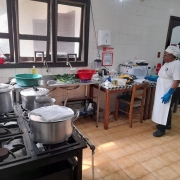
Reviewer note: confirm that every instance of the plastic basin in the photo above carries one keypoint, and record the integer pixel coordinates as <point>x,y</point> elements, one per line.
<point>86,74</point>
<point>27,79</point>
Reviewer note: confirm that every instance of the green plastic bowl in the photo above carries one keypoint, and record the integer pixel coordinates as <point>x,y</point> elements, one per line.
<point>28,79</point>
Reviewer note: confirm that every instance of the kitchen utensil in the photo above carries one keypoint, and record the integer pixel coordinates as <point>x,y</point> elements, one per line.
<point>86,74</point>
<point>97,64</point>
<point>54,131</point>
<point>28,79</point>
<point>43,101</point>
<point>6,98</point>
<point>30,94</point>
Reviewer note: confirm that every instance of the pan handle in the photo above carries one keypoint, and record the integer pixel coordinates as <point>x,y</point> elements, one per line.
<point>75,117</point>
<point>24,117</point>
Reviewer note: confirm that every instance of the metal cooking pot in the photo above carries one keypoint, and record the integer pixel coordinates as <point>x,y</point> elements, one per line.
<point>43,101</point>
<point>6,98</point>
<point>30,94</point>
<point>54,131</point>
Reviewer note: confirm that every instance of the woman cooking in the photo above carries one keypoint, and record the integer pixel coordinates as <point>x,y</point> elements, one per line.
<point>167,91</point>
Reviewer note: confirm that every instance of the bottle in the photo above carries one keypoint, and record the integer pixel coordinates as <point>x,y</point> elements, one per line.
<point>33,70</point>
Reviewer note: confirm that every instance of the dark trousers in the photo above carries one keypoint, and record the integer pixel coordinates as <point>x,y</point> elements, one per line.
<point>175,97</point>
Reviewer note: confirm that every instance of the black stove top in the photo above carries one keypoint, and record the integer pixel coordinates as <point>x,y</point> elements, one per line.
<point>23,152</point>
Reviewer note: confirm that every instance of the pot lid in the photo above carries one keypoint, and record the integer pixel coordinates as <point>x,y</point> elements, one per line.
<point>34,91</point>
<point>5,87</point>
<point>53,113</point>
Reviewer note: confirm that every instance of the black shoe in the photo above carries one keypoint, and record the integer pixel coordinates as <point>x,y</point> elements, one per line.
<point>158,133</point>
<point>167,127</point>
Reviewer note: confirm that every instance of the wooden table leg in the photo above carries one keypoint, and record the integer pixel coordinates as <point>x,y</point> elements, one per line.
<point>91,91</point>
<point>146,106</point>
<point>151,103</point>
<point>106,110</point>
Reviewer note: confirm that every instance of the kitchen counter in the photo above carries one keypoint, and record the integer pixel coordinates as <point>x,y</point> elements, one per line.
<point>68,86</point>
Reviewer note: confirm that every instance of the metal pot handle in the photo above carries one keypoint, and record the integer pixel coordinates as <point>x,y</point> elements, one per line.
<point>75,116</point>
<point>23,115</point>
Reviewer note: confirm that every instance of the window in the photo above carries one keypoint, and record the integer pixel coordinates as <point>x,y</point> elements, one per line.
<point>55,31</point>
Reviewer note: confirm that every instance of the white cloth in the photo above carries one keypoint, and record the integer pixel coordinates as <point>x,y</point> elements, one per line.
<point>173,50</point>
<point>52,113</point>
<point>167,74</point>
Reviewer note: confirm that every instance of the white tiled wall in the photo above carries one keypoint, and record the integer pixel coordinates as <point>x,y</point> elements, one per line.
<point>138,28</point>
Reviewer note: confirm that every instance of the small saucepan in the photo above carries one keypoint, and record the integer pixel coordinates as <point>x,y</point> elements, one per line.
<point>4,152</point>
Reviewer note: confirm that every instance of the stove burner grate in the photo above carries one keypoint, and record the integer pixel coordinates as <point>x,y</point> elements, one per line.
<point>41,149</point>
<point>13,149</point>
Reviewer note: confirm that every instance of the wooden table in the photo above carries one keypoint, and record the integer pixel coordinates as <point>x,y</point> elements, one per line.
<point>148,102</point>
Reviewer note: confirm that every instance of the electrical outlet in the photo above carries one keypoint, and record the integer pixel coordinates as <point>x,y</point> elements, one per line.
<point>158,54</point>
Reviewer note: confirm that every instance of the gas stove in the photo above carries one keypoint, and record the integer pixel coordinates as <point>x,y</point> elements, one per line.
<point>20,155</point>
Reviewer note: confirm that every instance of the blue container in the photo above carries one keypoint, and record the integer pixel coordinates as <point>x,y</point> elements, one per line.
<point>28,80</point>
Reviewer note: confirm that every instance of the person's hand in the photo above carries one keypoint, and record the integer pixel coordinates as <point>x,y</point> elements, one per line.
<point>166,97</point>
<point>150,78</point>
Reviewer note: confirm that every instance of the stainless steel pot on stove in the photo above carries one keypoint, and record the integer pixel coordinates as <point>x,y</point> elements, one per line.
<point>44,101</point>
<point>30,94</point>
<point>54,131</point>
<point>6,98</point>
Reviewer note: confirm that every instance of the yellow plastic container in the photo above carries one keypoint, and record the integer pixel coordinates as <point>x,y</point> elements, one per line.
<point>33,70</point>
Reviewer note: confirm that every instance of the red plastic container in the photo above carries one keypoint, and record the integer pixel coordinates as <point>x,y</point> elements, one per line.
<point>86,74</point>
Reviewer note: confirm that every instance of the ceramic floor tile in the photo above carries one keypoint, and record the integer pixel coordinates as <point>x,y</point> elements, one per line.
<point>117,176</point>
<point>132,148</point>
<point>109,146</point>
<point>152,164</point>
<point>148,177</point>
<point>176,152</point>
<point>116,136</point>
<point>141,156</point>
<point>148,143</point>
<point>167,158</point>
<point>137,138</point>
<point>131,153</point>
<point>107,168</point>
<point>165,174</point>
<point>87,173</point>
<point>98,159</point>
<point>175,167</point>
<point>116,153</point>
<point>156,151</point>
<point>126,161</point>
<point>95,134</point>
<point>123,142</point>
<point>136,171</point>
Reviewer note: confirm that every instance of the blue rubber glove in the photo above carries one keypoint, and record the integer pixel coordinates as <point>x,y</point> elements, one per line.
<point>151,78</point>
<point>166,97</point>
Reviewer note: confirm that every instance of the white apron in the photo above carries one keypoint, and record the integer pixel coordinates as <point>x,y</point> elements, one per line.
<point>160,110</point>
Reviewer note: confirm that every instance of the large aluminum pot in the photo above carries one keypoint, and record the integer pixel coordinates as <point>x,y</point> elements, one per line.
<point>43,101</point>
<point>30,94</point>
<point>52,132</point>
<point>6,98</point>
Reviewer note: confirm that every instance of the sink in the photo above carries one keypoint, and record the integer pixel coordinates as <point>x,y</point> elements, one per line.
<point>48,80</point>
<point>43,81</point>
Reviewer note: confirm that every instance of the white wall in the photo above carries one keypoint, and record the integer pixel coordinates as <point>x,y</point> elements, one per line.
<point>138,28</point>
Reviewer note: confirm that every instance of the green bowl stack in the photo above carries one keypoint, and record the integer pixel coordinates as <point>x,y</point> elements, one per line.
<point>28,80</point>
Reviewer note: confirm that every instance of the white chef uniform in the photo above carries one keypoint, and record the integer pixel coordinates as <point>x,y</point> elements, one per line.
<point>167,74</point>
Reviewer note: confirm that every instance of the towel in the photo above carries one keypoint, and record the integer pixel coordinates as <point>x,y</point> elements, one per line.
<point>53,113</point>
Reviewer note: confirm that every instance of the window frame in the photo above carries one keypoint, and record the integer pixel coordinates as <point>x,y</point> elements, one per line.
<point>14,36</point>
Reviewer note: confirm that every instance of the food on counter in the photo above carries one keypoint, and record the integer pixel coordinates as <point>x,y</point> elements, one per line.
<point>69,78</point>
<point>130,78</point>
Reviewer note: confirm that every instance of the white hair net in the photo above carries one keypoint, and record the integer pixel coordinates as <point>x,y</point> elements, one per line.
<point>173,50</point>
